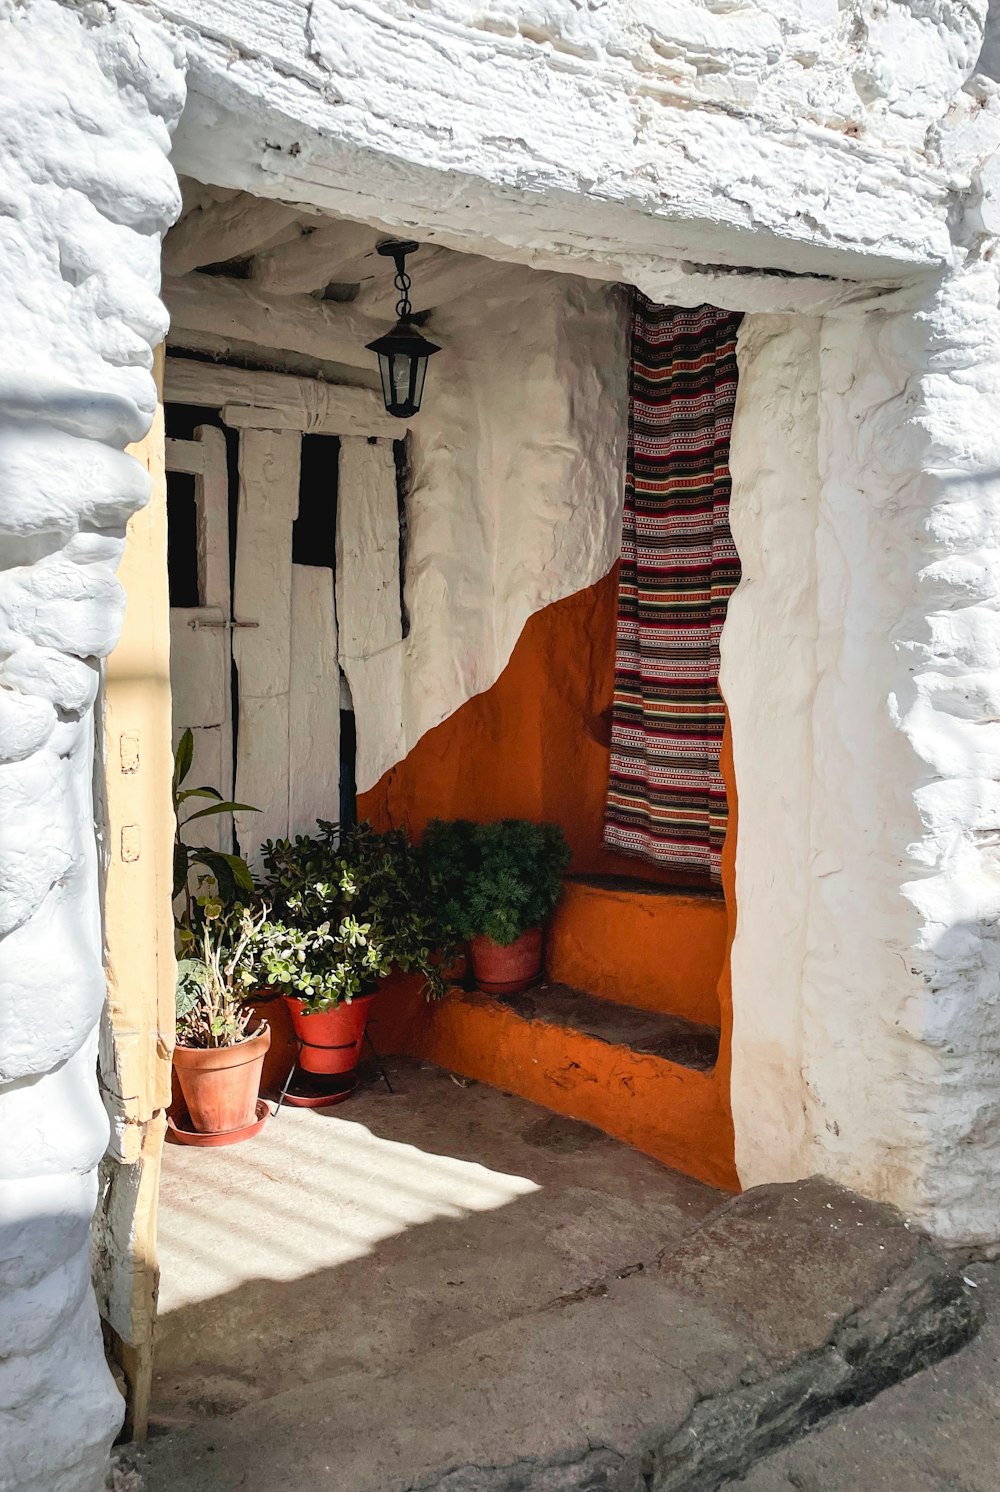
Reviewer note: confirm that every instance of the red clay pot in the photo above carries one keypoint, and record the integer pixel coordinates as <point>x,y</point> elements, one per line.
<point>331,1039</point>
<point>504,969</point>
<point>220,1084</point>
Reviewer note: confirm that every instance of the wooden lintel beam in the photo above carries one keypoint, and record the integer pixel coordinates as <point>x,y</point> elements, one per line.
<point>279,401</point>
<point>439,277</point>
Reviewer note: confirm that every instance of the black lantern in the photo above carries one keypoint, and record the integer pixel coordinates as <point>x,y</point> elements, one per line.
<point>403,352</point>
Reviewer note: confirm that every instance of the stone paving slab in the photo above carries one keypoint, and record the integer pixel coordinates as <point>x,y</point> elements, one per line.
<point>354,1239</point>
<point>672,1373</point>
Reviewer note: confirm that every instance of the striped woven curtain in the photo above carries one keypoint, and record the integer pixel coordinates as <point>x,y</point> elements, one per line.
<point>666,798</point>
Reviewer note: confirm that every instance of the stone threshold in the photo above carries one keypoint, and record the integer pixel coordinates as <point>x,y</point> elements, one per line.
<point>676,1374</point>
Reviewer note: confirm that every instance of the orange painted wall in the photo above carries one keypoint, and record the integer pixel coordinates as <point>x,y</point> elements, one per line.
<point>534,746</point>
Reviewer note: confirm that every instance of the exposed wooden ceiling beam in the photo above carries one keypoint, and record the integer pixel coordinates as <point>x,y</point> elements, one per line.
<point>315,259</point>
<point>439,276</point>
<point>236,309</point>
<point>224,230</point>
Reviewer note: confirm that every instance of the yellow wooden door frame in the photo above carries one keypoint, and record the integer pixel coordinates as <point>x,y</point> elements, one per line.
<point>138,1034</point>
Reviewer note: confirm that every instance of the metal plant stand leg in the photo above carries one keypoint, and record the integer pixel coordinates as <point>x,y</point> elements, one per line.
<point>378,1059</point>
<point>291,1073</point>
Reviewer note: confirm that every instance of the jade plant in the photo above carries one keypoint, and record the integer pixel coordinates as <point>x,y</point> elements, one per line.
<point>217,971</point>
<point>345,912</point>
<point>496,880</point>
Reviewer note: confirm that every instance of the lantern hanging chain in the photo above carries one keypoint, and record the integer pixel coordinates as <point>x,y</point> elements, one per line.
<point>402,284</point>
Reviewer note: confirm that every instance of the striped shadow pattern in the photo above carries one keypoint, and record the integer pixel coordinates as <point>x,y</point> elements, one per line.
<point>666,798</point>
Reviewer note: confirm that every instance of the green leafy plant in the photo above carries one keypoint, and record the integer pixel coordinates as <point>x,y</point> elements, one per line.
<point>345,913</point>
<point>231,874</point>
<point>218,969</point>
<point>494,880</point>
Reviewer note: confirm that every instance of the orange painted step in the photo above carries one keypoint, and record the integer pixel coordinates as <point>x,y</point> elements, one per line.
<point>646,1078</point>
<point>656,947</point>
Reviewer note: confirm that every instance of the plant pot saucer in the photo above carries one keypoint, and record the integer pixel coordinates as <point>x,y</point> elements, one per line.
<point>182,1136</point>
<point>509,986</point>
<point>319,1090</point>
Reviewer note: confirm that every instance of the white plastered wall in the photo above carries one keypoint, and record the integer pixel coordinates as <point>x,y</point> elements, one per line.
<point>516,484</point>
<point>85,194</point>
<point>860,669</point>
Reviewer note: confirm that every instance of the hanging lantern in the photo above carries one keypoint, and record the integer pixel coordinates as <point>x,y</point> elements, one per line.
<point>403,352</point>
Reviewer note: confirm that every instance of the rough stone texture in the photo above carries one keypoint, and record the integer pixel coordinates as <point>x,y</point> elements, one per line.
<point>86,193</point>
<point>934,1433</point>
<point>703,128</point>
<point>575,1359</point>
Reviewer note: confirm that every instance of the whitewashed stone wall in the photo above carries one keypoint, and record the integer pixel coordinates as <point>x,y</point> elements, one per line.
<point>85,194</point>
<point>860,667</point>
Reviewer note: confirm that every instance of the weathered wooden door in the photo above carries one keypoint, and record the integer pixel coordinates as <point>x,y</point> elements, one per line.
<point>254,666</point>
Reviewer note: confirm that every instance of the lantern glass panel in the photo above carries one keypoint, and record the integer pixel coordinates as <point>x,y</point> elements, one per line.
<point>419,374</point>
<point>384,365</point>
<point>402,367</point>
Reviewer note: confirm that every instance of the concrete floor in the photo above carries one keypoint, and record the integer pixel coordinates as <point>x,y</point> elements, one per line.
<point>355,1239</point>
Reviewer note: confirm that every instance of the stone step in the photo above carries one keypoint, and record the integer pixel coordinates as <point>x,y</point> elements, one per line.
<point>644,1032</point>
<point>645,1077</point>
<point>659,948</point>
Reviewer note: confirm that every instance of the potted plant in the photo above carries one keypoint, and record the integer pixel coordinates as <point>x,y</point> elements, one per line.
<point>218,1064</point>
<point>495,885</point>
<point>345,913</point>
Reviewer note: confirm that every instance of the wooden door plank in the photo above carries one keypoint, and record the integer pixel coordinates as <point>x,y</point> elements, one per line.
<point>369,616</point>
<point>200,644</point>
<point>368,605</point>
<point>268,504</point>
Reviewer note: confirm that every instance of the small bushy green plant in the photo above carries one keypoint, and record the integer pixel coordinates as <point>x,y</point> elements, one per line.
<point>494,880</point>
<point>345,912</point>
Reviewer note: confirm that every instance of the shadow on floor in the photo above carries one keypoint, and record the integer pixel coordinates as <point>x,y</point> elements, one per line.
<point>348,1242</point>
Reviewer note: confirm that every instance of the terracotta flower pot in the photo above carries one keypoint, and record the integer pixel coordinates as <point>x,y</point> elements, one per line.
<point>221,1084</point>
<point>331,1039</point>
<point>502,969</point>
